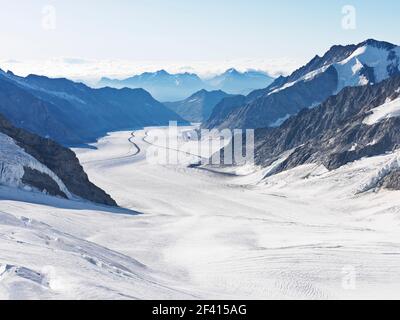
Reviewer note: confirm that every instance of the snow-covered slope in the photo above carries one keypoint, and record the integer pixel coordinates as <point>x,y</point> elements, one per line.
<point>369,62</point>
<point>359,122</point>
<point>297,235</point>
<point>27,159</point>
<point>13,160</point>
<point>51,249</point>
<point>388,110</point>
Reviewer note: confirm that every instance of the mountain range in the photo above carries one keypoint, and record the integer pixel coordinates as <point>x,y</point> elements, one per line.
<point>337,109</point>
<point>361,119</point>
<point>366,63</point>
<point>174,87</point>
<point>72,113</point>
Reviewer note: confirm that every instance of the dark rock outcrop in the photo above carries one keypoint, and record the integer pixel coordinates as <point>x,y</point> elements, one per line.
<point>42,182</point>
<point>392,181</point>
<point>334,133</point>
<point>62,161</point>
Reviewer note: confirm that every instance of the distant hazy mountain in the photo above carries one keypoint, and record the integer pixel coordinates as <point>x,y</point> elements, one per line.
<point>366,63</point>
<point>30,162</point>
<point>235,82</point>
<point>199,106</point>
<point>161,84</point>
<point>173,87</point>
<point>72,113</point>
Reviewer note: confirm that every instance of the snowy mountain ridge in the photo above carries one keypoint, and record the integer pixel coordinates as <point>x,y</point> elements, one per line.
<point>359,122</point>
<point>369,62</point>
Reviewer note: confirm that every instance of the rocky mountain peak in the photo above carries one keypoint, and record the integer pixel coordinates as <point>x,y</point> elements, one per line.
<point>366,63</point>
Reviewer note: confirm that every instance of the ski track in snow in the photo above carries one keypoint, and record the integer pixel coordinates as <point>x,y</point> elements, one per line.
<point>201,234</point>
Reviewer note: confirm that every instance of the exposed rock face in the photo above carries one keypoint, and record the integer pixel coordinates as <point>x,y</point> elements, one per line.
<point>392,181</point>
<point>42,182</point>
<point>334,133</point>
<point>369,62</point>
<point>62,161</point>
<point>337,132</point>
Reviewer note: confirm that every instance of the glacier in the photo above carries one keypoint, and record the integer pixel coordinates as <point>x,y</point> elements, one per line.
<point>190,233</point>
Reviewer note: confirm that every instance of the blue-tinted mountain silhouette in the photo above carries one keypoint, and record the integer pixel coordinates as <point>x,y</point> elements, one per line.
<point>199,106</point>
<point>72,113</point>
<point>174,87</point>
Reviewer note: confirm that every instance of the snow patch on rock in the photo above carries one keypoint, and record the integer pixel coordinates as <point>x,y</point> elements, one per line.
<point>350,69</point>
<point>280,121</point>
<point>388,110</point>
<point>13,159</point>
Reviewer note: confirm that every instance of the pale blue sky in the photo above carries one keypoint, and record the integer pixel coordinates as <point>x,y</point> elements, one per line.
<point>189,30</point>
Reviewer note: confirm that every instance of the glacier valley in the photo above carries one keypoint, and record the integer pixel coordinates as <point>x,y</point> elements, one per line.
<point>191,233</point>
